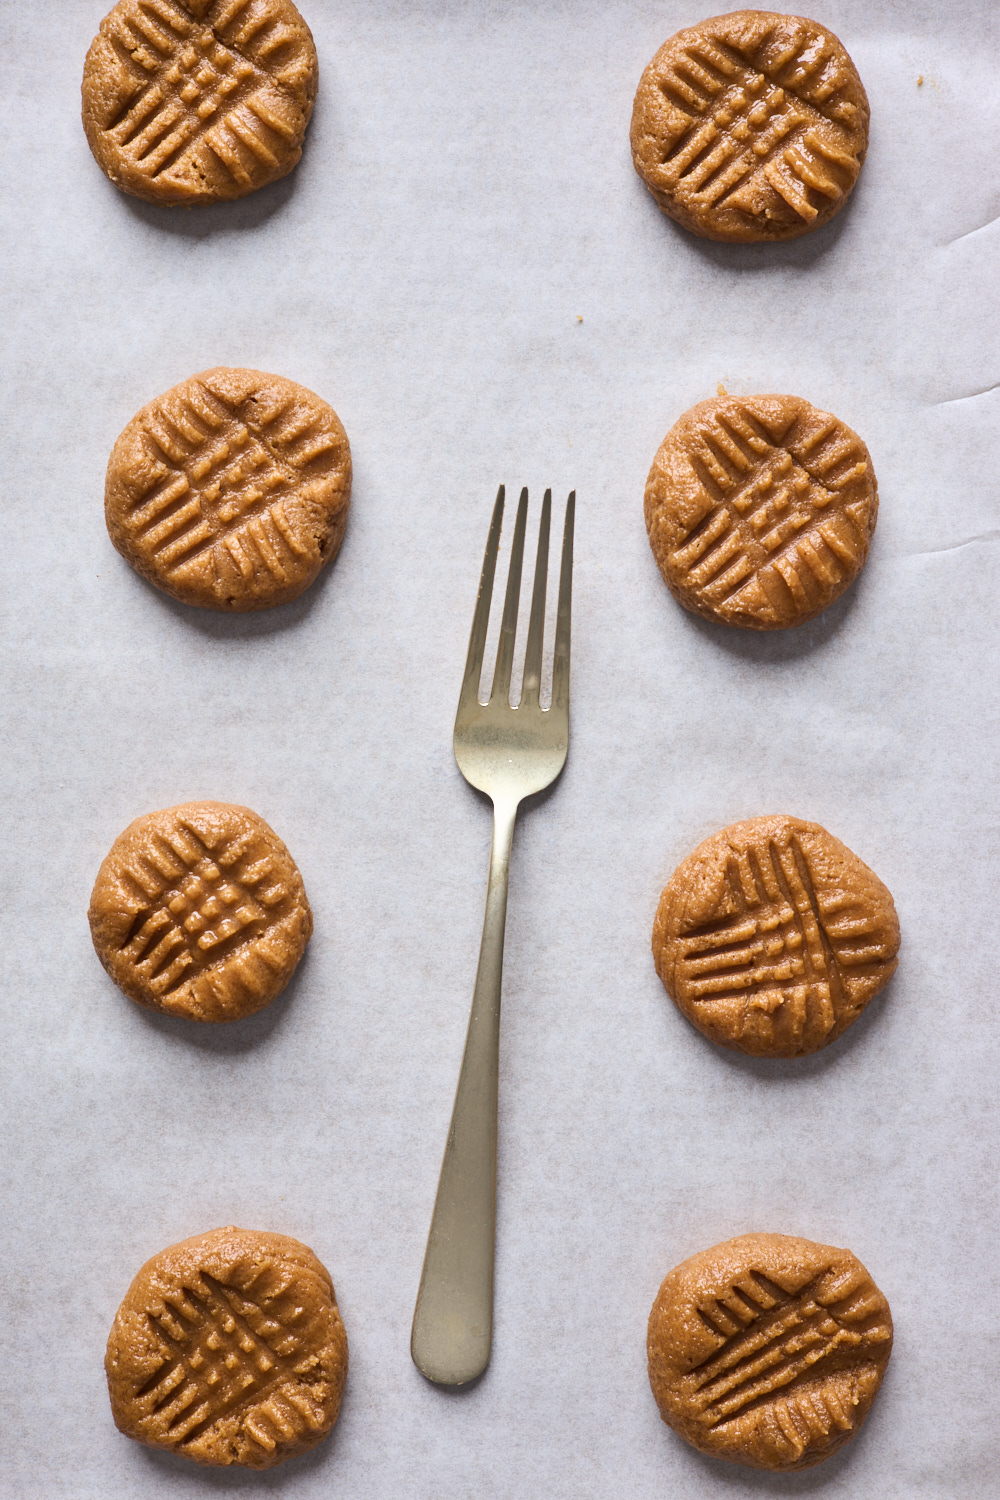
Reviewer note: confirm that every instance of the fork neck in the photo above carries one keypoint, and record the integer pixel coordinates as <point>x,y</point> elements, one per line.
<point>504,815</point>
<point>490,971</point>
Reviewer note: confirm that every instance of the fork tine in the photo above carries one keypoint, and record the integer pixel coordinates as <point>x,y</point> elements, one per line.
<point>536,625</point>
<point>508,625</point>
<point>477,639</point>
<point>560,664</point>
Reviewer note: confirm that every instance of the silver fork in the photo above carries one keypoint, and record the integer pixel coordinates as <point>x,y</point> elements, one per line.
<point>508,753</point>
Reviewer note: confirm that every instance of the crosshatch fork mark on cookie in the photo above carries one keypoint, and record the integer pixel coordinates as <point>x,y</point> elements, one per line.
<point>759,118</point>
<point>789,515</point>
<point>775,1348</point>
<point>199,904</point>
<point>221,477</point>
<point>206,95</point>
<point>227,1355</point>
<point>783,943</point>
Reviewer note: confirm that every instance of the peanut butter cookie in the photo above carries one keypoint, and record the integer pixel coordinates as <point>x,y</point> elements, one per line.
<point>760,510</point>
<point>229,1349</point>
<point>750,126</point>
<point>199,910</point>
<point>230,491</point>
<point>768,1350</point>
<point>193,101</point>
<point>772,937</point>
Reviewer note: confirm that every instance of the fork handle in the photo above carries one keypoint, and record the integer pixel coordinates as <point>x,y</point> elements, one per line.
<point>453,1319</point>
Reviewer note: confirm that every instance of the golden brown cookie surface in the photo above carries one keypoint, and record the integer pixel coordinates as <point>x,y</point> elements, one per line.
<point>231,490</point>
<point>199,910</point>
<point>772,937</point>
<point>760,510</point>
<point>193,101</point>
<point>750,126</point>
<point>768,1350</point>
<point>229,1349</point>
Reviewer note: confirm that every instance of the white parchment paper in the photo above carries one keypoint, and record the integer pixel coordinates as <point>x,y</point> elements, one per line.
<point>465,199</point>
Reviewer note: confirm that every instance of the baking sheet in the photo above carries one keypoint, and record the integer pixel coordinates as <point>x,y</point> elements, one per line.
<point>465,199</point>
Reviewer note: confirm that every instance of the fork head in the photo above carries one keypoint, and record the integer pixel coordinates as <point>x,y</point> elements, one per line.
<point>511,752</point>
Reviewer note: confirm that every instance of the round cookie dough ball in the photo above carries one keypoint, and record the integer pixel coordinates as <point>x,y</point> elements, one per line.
<point>768,1350</point>
<point>199,911</point>
<point>229,1349</point>
<point>231,490</point>
<point>194,101</point>
<point>772,937</point>
<point>760,510</point>
<point>750,126</point>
